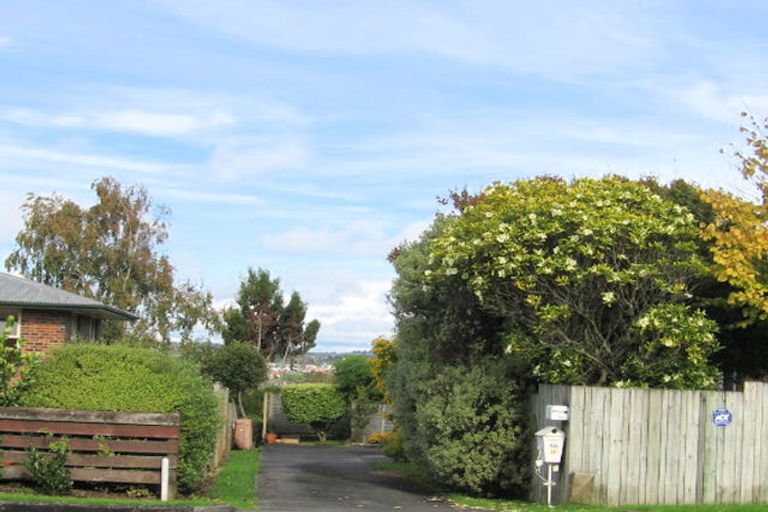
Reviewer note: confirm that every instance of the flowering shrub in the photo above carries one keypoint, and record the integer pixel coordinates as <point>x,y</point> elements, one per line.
<point>573,266</point>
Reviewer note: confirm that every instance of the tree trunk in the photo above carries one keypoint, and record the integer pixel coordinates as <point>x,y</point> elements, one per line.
<point>258,333</point>
<point>240,404</point>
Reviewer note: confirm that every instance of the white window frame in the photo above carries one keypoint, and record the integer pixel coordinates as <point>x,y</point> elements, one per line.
<point>4,314</point>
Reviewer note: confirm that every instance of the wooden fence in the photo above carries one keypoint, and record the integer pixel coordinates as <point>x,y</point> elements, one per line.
<point>228,414</point>
<point>637,446</point>
<point>106,446</point>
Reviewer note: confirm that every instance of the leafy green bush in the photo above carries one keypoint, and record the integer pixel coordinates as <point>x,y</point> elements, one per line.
<point>49,471</point>
<point>132,379</point>
<point>393,445</point>
<point>239,366</point>
<point>470,429</point>
<point>353,377</point>
<point>18,369</point>
<point>319,405</point>
<point>354,372</point>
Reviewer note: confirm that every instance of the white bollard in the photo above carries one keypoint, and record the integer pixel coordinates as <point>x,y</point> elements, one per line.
<point>165,473</point>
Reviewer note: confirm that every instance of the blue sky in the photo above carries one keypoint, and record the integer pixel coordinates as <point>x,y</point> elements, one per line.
<point>311,137</point>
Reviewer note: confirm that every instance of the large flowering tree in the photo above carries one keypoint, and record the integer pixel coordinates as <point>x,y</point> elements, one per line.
<point>593,277</point>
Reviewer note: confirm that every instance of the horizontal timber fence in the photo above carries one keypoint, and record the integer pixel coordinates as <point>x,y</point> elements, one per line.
<point>106,447</point>
<point>641,446</point>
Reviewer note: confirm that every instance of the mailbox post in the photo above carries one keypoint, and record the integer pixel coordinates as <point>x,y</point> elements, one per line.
<point>550,442</point>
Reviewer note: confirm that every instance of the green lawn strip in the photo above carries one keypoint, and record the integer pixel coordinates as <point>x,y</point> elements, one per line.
<point>411,472</point>
<point>39,498</point>
<point>236,482</point>
<point>523,506</point>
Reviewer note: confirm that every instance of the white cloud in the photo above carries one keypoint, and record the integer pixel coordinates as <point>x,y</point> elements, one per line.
<point>231,161</point>
<point>568,39</point>
<point>710,100</point>
<point>11,221</point>
<point>358,315</point>
<point>353,239</point>
<point>30,157</point>
<point>6,41</point>
<point>207,197</point>
<point>129,121</point>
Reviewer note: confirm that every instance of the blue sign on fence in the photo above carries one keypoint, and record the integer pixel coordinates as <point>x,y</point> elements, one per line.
<point>722,417</point>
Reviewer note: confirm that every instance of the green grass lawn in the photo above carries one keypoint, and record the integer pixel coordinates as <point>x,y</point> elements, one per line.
<point>236,482</point>
<point>40,498</point>
<point>409,471</point>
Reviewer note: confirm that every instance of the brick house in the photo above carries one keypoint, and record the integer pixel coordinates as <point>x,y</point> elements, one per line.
<point>46,316</point>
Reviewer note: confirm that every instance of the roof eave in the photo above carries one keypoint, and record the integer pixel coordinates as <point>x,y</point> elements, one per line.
<point>111,312</point>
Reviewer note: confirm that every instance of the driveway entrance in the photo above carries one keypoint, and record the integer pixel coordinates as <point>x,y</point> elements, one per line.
<point>332,478</point>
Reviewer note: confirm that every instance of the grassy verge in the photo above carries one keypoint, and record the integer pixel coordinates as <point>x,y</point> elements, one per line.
<point>235,485</point>
<point>236,482</point>
<point>411,472</point>
<point>39,498</point>
<point>520,506</point>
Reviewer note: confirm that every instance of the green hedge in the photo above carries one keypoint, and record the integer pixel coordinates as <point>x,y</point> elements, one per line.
<point>319,405</point>
<point>131,379</point>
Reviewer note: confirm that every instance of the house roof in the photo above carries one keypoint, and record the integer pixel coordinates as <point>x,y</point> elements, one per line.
<point>20,292</point>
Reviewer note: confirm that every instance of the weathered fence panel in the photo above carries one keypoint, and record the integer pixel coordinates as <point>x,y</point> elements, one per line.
<point>105,446</point>
<point>640,446</point>
<point>228,415</point>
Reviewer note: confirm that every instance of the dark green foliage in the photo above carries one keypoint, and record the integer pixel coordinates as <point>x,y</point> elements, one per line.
<point>361,409</point>
<point>394,447</point>
<point>452,386</point>
<point>352,373</point>
<point>18,369</point>
<point>743,356</point>
<point>354,379</point>
<point>263,319</point>
<point>253,403</point>
<point>239,367</point>
<point>131,379</point>
<point>472,429</point>
<point>49,470</point>
<point>319,405</point>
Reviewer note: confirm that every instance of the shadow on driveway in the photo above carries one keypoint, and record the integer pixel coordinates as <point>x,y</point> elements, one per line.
<point>330,478</point>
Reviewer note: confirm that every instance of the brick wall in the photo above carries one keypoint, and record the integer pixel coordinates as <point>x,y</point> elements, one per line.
<point>43,330</point>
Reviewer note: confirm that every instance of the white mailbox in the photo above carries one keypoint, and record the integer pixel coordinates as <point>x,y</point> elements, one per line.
<point>556,412</point>
<point>550,442</point>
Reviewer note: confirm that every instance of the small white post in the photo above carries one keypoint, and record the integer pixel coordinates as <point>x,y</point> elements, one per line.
<point>549,485</point>
<point>165,473</point>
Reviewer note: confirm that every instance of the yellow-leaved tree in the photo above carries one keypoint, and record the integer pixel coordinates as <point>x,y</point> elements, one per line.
<point>739,233</point>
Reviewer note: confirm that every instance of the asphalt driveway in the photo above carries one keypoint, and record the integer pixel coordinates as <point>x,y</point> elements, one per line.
<point>330,478</point>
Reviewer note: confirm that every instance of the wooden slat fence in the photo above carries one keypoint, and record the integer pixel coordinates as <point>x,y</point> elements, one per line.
<point>644,446</point>
<point>106,446</point>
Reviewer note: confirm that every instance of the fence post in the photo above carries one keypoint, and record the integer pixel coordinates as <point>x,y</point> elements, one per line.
<point>164,478</point>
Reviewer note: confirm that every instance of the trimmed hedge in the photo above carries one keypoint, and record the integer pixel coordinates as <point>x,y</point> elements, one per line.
<point>131,379</point>
<point>319,405</point>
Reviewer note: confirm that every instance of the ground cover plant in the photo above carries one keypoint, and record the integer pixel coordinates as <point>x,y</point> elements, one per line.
<point>131,379</point>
